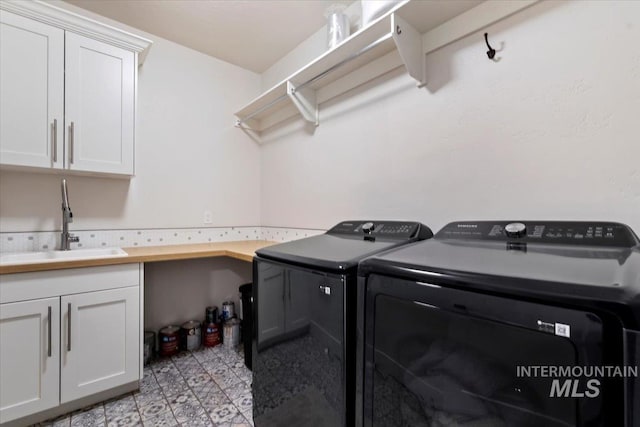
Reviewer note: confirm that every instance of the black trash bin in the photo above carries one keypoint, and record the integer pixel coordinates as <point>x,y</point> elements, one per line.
<point>246,292</point>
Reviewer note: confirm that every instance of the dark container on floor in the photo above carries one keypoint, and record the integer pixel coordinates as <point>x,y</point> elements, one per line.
<point>247,321</point>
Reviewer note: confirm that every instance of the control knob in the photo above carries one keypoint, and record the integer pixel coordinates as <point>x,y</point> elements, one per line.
<point>368,227</point>
<point>515,229</point>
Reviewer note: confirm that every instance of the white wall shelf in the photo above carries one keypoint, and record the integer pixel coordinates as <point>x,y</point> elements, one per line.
<point>401,37</point>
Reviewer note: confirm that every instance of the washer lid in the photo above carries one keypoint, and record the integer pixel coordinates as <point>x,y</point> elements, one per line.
<point>346,244</point>
<point>550,269</point>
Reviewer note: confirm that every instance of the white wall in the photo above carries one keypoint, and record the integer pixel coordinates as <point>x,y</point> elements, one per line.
<point>548,132</point>
<point>189,158</point>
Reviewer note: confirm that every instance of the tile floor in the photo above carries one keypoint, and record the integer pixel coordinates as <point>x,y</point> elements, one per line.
<point>208,387</point>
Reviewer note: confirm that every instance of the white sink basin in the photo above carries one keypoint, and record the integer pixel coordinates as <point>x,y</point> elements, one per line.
<point>57,256</point>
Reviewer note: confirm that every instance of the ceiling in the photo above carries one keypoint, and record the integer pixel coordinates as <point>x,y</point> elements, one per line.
<point>253,34</point>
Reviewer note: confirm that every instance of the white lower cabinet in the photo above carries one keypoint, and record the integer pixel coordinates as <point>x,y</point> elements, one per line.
<point>70,344</point>
<point>29,357</point>
<point>101,342</point>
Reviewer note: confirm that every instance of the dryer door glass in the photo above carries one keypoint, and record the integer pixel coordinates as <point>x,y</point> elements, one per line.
<point>444,364</point>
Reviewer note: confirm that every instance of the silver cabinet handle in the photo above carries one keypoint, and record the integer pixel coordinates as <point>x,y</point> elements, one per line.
<point>49,332</point>
<point>54,139</point>
<point>69,327</point>
<point>71,138</point>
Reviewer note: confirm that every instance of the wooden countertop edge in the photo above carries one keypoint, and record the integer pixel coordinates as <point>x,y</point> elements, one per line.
<point>240,249</point>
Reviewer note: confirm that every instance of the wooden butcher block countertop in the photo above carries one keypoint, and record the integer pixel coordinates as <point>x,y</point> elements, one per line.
<point>243,250</point>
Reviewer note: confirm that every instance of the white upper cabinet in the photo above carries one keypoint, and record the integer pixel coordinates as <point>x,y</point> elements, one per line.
<point>31,92</point>
<point>68,88</point>
<point>99,106</point>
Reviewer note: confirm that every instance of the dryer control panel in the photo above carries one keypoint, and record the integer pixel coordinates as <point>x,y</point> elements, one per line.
<point>596,233</point>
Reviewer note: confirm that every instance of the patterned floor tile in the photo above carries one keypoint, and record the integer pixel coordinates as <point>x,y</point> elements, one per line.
<point>215,399</point>
<point>163,366</point>
<point>206,388</point>
<point>61,421</point>
<point>129,419</point>
<point>154,409</point>
<point>89,417</point>
<point>165,419</point>
<point>148,397</point>
<point>238,364</point>
<point>238,421</point>
<point>223,413</point>
<point>181,398</point>
<point>186,364</point>
<point>175,388</point>
<point>205,354</point>
<point>218,369</point>
<point>165,378</point>
<point>244,374</point>
<point>198,379</point>
<point>249,416</point>
<point>244,403</point>
<point>183,355</point>
<point>202,420</point>
<point>192,371</point>
<point>230,381</point>
<point>230,357</point>
<point>188,412</point>
<point>149,382</point>
<point>211,364</point>
<point>209,387</point>
<point>238,390</point>
<point>120,405</point>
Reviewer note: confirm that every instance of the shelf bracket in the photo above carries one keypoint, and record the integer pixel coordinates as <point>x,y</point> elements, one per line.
<point>409,43</point>
<point>305,101</point>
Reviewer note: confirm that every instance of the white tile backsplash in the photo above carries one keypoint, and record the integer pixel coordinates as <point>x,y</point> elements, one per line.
<point>279,234</point>
<point>48,240</point>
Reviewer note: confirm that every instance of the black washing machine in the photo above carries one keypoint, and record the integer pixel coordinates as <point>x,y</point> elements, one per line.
<point>304,330</point>
<point>500,323</point>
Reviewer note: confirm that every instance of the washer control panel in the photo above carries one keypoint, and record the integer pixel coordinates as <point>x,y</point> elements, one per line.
<point>548,232</point>
<point>380,229</point>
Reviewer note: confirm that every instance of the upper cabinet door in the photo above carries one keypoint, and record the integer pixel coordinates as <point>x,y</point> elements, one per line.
<point>99,106</point>
<point>31,92</point>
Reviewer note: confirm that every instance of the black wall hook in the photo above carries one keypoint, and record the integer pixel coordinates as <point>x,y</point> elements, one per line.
<point>491,53</point>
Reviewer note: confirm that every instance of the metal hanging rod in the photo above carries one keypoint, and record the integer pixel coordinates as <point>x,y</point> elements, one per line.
<point>317,77</point>
<point>261,109</point>
<point>350,58</point>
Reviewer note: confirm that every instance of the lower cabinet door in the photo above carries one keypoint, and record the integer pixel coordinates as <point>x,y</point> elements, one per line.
<point>29,357</point>
<point>100,341</point>
<point>269,290</point>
